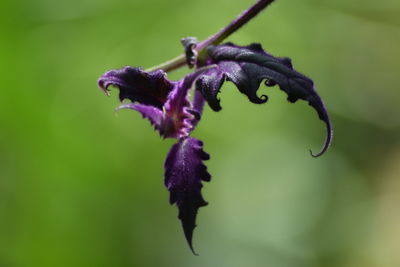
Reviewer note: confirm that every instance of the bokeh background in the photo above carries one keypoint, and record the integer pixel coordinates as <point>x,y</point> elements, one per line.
<point>81,185</point>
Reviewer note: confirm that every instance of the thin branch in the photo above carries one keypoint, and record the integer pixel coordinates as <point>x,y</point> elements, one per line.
<point>236,24</point>
<point>217,38</point>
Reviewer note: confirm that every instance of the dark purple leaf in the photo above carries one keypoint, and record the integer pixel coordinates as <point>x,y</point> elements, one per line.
<point>247,67</point>
<point>148,88</point>
<point>184,172</point>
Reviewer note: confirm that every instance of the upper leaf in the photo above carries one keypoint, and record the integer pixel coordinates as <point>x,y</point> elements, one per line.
<point>247,67</point>
<point>184,172</point>
<point>148,88</point>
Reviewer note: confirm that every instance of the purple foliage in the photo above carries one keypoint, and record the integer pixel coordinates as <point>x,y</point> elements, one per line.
<point>167,106</point>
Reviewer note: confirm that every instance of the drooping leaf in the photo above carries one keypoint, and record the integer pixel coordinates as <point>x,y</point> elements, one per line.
<point>247,67</point>
<point>184,172</point>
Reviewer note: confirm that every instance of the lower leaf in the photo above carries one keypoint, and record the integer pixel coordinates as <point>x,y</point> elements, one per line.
<point>184,172</point>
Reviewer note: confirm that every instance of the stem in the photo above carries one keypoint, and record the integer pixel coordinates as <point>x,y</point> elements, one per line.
<point>198,101</point>
<point>170,65</point>
<point>236,24</point>
<point>217,38</point>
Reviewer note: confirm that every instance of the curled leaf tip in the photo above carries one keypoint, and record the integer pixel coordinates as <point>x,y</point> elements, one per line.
<point>124,106</point>
<point>327,142</point>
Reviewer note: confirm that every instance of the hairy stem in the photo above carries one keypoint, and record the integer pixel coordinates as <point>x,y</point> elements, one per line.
<point>198,105</point>
<point>217,38</point>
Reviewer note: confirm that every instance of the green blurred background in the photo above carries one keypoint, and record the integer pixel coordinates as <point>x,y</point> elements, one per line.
<point>83,186</point>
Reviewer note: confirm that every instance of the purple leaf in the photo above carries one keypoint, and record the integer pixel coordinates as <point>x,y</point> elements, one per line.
<point>153,114</point>
<point>148,88</point>
<point>247,67</point>
<point>184,172</point>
